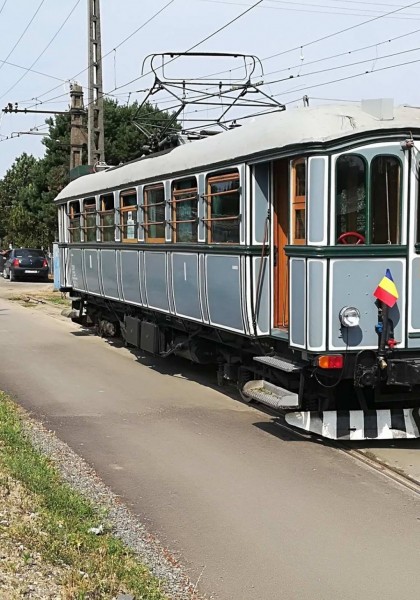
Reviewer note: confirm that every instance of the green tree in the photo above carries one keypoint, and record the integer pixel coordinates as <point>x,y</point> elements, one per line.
<point>27,191</point>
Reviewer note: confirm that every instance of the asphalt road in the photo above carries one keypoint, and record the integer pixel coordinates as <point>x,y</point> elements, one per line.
<point>252,513</point>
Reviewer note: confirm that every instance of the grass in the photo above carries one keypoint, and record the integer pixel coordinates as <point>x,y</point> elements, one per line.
<point>97,566</point>
<point>53,297</point>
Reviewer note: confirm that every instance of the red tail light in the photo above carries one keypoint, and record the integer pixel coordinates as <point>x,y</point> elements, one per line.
<point>331,361</point>
<point>45,263</point>
<point>16,262</point>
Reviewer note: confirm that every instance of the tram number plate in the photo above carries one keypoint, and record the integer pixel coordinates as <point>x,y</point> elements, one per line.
<point>31,271</point>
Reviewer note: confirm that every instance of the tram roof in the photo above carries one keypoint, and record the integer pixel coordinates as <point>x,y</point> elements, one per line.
<point>266,133</point>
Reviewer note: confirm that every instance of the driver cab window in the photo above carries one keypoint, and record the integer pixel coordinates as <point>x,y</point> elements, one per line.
<point>351,199</point>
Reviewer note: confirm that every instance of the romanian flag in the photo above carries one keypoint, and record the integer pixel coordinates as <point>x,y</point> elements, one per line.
<point>387,291</point>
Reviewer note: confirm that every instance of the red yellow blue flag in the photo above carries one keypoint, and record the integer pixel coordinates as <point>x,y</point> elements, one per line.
<point>387,291</point>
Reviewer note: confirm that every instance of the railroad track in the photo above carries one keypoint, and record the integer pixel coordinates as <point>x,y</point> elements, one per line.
<point>372,463</point>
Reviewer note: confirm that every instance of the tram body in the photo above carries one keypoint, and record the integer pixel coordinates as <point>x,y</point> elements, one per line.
<point>260,250</point>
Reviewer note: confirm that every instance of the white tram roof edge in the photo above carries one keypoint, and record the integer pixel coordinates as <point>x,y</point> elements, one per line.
<point>305,125</point>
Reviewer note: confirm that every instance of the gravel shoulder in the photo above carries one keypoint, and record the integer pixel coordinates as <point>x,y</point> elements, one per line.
<point>24,573</point>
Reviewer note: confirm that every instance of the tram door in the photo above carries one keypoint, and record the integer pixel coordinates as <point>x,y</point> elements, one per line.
<point>289,189</point>
<point>280,238</point>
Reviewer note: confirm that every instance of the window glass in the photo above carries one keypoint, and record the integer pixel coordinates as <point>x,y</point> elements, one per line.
<point>28,253</point>
<point>74,222</point>
<point>298,201</point>
<point>128,211</point>
<point>89,219</point>
<point>184,210</point>
<point>385,177</point>
<point>107,218</point>
<point>154,213</point>
<point>351,199</point>
<point>223,202</point>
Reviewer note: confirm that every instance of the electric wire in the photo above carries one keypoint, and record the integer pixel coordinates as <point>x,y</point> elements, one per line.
<point>195,45</point>
<point>23,33</point>
<point>2,6</point>
<point>12,87</point>
<point>156,14</point>
<point>320,39</point>
<point>361,12</point>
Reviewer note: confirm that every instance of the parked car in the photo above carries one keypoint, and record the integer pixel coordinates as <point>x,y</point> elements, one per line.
<point>26,263</point>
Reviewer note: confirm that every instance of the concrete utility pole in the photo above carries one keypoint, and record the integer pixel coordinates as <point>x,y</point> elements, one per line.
<point>96,151</point>
<point>77,129</point>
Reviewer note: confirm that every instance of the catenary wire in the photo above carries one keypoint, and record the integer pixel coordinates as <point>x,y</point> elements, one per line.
<point>12,87</point>
<point>317,40</point>
<point>2,6</point>
<point>332,10</point>
<point>156,14</point>
<point>320,39</point>
<point>23,33</point>
<point>175,58</point>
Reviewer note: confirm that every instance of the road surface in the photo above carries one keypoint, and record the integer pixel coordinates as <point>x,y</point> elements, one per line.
<point>253,513</point>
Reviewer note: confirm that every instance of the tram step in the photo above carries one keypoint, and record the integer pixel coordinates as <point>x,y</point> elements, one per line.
<point>279,363</point>
<point>270,394</point>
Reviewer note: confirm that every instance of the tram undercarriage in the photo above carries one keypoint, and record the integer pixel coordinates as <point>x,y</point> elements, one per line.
<point>373,395</point>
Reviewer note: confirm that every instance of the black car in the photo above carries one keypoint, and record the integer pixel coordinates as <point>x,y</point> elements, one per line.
<point>26,263</point>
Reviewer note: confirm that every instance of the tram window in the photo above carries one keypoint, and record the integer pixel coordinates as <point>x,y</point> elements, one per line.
<point>298,201</point>
<point>351,199</point>
<point>107,218</point>
<point>154,213</point>
<point>89,219</point>
<point>385,182</point>
<point>223,213</point>
<point>184,210</point>
<point>74,221</point>
<point>128,215</point>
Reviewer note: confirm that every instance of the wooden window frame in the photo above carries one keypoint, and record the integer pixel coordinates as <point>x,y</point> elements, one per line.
<point>104,212</point>
<point>72,215</point>
<point>84,213</point>
<point>145,206</point>
<point>193,195</point>
<point>298,202</point>
<point>125,209</point>
<point>220,178</point>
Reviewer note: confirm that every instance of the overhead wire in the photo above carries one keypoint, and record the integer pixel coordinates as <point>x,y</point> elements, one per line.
<point>202,41</point>
<point>320,39</point>
<point>195,45</point>
<point>169,99</point>
<point>23,33</point>
<point>2,6</point>
<point>156,14</point>
<point>12,87</point>
<point>317,40</point>
<point>331,9</point>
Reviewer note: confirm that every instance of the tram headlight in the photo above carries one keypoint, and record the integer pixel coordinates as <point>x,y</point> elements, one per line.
<point>349,316</point>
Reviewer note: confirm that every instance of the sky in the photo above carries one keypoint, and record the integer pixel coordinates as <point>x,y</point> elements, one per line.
<point>313,55</point>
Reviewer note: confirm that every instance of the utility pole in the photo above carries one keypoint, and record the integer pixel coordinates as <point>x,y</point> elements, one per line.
<point>77,129</point>
<point>96,151</point>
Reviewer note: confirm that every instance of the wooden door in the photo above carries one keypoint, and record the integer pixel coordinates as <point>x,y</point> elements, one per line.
<point>280,234</point>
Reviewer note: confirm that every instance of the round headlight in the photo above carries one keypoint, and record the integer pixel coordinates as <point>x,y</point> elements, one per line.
<point>349,316</point>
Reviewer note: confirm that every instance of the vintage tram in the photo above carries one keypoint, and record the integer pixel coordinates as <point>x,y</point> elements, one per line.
<point>262,250</point>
